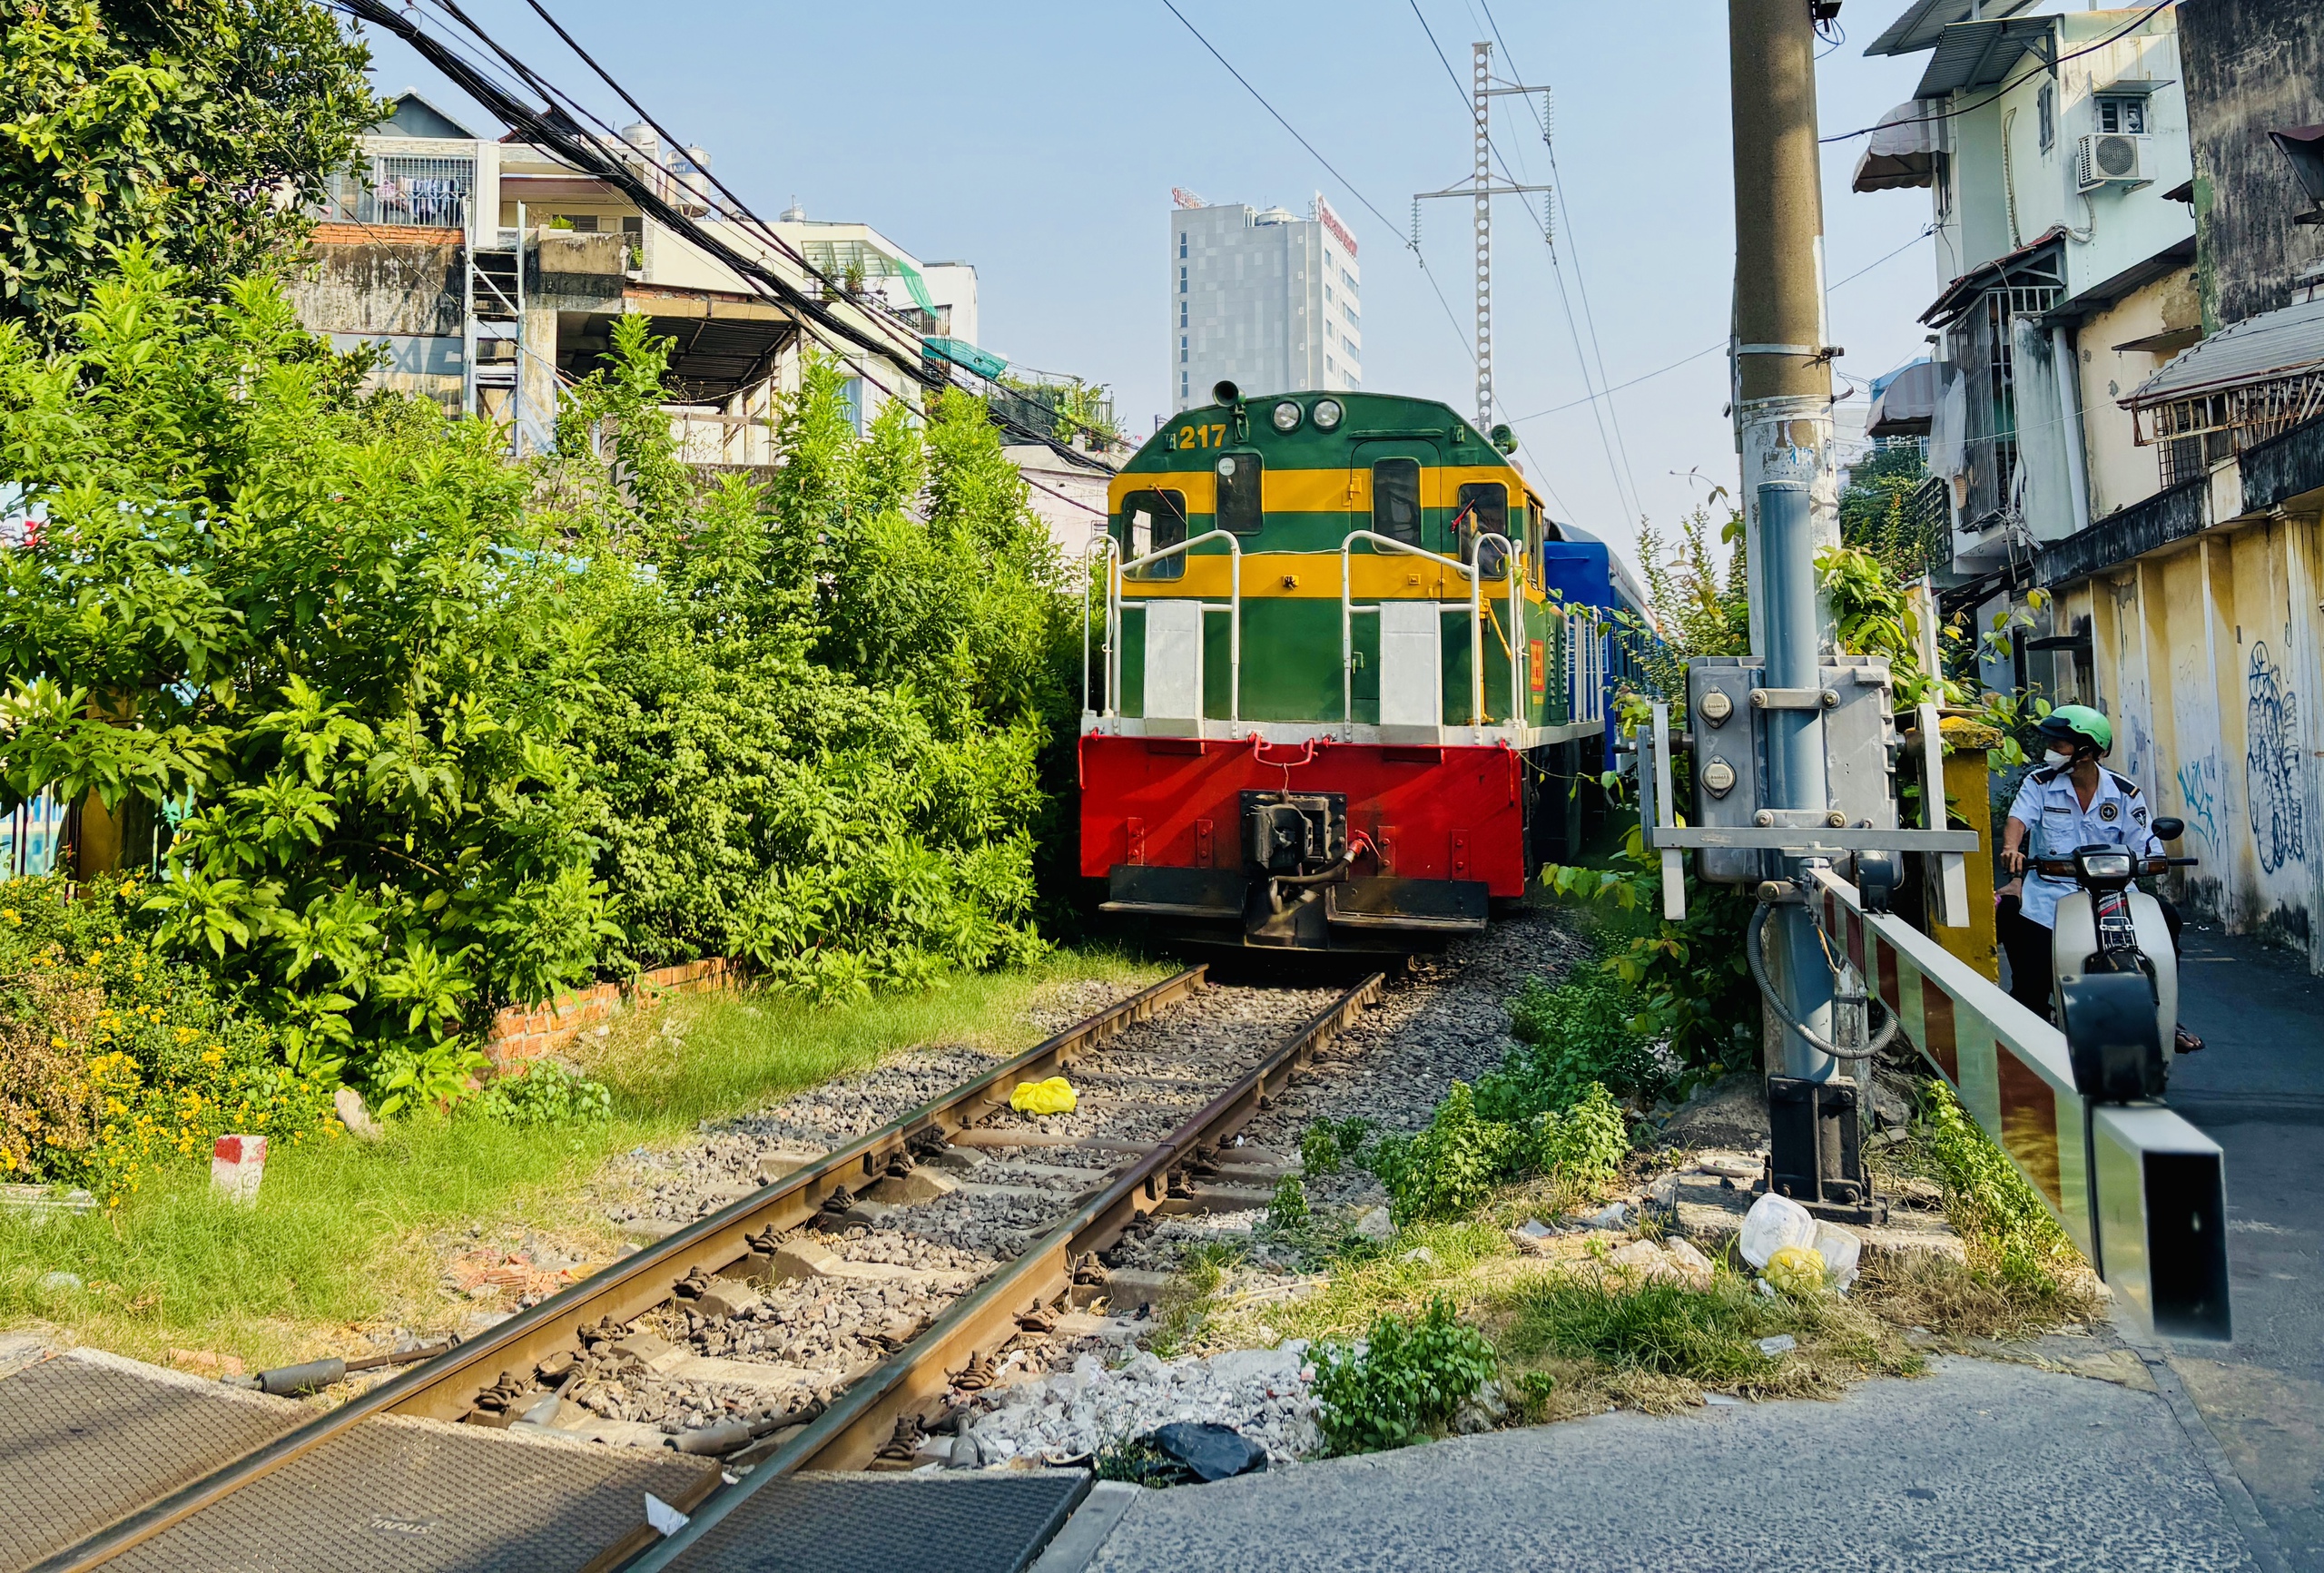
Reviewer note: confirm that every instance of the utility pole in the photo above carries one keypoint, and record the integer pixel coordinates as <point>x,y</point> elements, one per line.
<point>1480,188</point>
<point>1783,420</point>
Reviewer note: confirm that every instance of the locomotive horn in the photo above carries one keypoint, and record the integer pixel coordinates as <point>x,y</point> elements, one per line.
<point>1225,393</point>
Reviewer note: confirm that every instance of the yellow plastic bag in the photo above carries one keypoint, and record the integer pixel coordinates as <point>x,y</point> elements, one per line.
<point>1797,1269</point>
<point>1053,1096</point>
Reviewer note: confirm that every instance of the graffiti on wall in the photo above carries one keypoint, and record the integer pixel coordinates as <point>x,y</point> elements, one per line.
<point>2271,763</point>
<point>2199,797</point>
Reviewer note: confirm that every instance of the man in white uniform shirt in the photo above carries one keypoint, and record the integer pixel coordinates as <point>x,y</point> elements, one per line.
<point>2070,802</point>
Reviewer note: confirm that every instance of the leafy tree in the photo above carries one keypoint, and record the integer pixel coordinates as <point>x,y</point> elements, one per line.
<point>331,640</point>
<point>202,129</point>
<point>1875,513</point>
<point>817,746</point>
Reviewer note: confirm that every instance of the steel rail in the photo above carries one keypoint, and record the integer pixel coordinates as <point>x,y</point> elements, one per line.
<point>445,1388</point>
<point>914,1381</point>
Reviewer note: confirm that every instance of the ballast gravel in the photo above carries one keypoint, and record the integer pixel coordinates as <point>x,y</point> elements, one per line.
<point>1443,1019</point>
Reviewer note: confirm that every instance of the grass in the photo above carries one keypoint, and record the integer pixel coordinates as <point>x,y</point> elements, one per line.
<point>347,1237</point>
<point>1576,1344</point>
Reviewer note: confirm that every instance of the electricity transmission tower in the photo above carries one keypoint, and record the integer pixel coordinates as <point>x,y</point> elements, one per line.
<point>1481,188</point>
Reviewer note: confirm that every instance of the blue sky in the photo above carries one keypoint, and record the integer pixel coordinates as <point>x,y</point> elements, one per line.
<point>1040,140</point>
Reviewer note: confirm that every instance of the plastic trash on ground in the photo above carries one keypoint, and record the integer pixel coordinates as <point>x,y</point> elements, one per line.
<point>1839,1249</point>
<point>1797,1269</point>
<point>1773,1222</point>
<point>1053,1096</point>
<point>1207,1451</point>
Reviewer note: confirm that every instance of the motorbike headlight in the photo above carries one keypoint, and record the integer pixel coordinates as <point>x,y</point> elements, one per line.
<point>2107,865</point>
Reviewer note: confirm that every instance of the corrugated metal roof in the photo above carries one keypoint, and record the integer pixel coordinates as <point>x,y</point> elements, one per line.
<point>2280,343</point>
<point>1923,20</point>
<point>1979,53</point>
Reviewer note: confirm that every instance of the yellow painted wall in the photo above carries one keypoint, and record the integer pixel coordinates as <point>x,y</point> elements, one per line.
<point>2207,661</point>
<point>2122,472</point>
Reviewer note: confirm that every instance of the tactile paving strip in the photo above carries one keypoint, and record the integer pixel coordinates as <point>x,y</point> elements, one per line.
<point>396,1495</point>
<point>86,1440</point>
<point>984,1522</point>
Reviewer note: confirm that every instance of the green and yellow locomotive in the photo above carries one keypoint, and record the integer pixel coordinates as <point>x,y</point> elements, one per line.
<point>1348,668</point>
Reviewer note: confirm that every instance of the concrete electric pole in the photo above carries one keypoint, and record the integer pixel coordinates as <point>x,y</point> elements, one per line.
<point>1783,423</point>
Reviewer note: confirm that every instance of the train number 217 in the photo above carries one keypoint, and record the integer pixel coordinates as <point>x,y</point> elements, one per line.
<point>1202,437</point>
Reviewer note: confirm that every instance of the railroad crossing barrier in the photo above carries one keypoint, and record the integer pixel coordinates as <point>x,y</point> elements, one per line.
<point>2139,1191</point>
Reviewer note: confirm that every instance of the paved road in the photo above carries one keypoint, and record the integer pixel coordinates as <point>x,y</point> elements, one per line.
<point>1979,1466</point>
<point>2258,1090</point>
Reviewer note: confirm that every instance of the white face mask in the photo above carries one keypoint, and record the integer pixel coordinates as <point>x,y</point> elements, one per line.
<point>2061,757</point>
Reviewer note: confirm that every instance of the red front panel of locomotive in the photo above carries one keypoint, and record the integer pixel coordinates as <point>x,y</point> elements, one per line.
<point>1435,813</point>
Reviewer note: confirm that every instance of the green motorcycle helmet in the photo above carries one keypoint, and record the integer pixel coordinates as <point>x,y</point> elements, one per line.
<point>2071,726</point>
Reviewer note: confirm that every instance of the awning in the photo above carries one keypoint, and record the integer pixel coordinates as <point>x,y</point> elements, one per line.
<point>1973,55</point>
<point>1923,20</point>
<point>2284,343</point>
<point>1903,404</point>
<point>1901,149</point>
<point>2304,145</point>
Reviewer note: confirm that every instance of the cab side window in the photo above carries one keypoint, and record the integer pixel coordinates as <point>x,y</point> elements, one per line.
<point>1484,510</point>
<point>1149,522</point>
<point>1533,543</point>
<point>1239,509</point>
<point>1396,499</point>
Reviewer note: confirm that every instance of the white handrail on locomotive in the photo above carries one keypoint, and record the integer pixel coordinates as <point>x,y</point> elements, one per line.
<point>1349,611</point>
<point>1234,610</point>
<point>1098,538</point>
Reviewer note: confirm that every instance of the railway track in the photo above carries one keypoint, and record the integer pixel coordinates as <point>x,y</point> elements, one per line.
<point>783,1327</point>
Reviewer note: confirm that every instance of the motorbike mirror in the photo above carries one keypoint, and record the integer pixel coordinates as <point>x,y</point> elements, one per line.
<point>2169,830</point>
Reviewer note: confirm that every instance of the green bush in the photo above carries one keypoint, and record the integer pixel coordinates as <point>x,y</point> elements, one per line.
<point>1288,1209</point>
<point>546,1093</point>
<point>1571,1035</point>
<point>114,1059</point>
<point>427,732</point>
<point>1452,1167</point>
<point>1405,1383</point>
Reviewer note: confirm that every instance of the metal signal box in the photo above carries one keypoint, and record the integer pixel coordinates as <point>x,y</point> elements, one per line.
<point>1727,709</point>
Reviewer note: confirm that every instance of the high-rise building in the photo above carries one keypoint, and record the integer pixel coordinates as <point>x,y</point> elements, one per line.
<point>1263,299</point>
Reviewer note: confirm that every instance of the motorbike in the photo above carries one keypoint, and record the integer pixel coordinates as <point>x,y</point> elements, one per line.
<point>2115,973</point>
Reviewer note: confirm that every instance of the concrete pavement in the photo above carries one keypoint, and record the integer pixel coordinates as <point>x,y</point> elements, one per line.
<point>1978,1466</point>
<point>2258,1090</point>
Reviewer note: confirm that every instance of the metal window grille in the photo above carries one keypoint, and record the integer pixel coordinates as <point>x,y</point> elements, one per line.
<point>2198,432</point>
<point>400,191</point>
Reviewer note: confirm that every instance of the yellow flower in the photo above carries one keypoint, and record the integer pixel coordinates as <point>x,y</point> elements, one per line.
<point>10,915</point>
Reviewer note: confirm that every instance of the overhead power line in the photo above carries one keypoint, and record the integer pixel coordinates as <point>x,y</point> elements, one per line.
<point>556,127</point>
<point>1715,349</point>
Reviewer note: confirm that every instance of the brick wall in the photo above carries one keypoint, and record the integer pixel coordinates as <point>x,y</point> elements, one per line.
<point>519,1035</point>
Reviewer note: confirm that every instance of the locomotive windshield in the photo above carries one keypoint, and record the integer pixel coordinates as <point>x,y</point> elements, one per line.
<point>1485,511</point>
<point>1396,499</point>
<point>1239,509</point>
<point>1151,521</point>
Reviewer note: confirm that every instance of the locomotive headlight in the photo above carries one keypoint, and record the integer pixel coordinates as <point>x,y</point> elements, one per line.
<point>1286,417</point>
<point>1327,413</point>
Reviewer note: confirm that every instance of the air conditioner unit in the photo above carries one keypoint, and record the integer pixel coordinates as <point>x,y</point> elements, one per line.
<point>2110,157</point>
